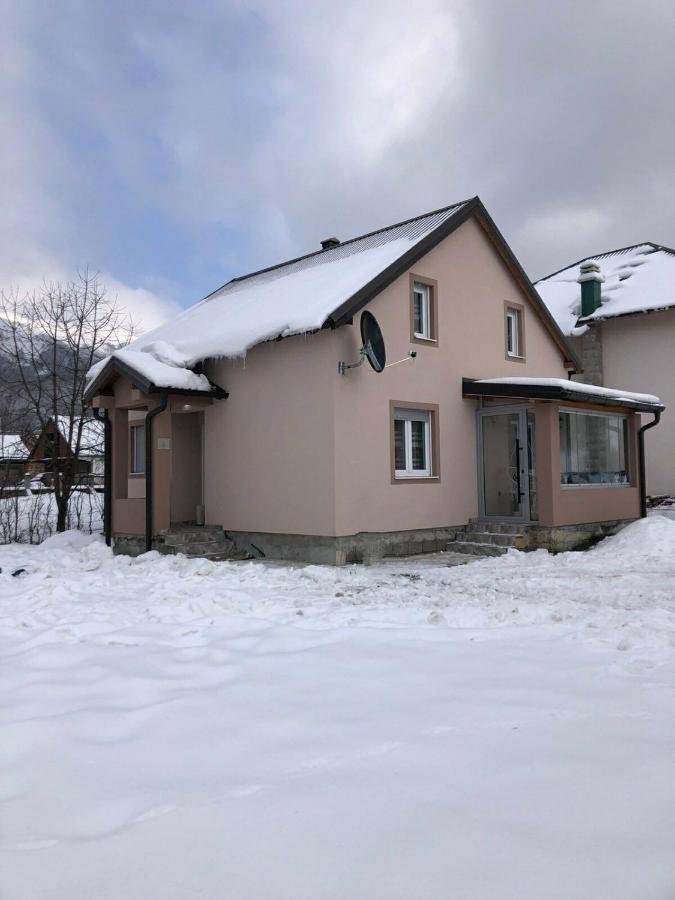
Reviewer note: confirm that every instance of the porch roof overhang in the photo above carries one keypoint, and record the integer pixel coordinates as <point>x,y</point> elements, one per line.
<point>116,367</point>
<point>561,390</point>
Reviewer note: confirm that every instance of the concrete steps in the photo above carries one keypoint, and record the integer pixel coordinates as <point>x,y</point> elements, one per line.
<point>205,542</point>
<point>488,539</point>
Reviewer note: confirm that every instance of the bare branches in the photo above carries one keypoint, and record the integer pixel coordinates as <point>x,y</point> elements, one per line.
<point>49,339</point>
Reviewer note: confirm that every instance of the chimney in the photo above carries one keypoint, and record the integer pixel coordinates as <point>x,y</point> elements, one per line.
<point>328,243</point>
<point>590,278</point>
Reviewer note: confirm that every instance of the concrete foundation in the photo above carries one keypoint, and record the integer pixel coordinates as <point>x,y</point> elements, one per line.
<point>369,547</point>
<point>365,547</point>
<point>128,544</point>
<point>558,538</point>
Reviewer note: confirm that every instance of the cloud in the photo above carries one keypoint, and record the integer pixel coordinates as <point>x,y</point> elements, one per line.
<point>146,309</point>
<point>174,145</point>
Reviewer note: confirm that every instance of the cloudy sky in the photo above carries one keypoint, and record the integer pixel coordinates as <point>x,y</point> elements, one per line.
<point>171,145</point>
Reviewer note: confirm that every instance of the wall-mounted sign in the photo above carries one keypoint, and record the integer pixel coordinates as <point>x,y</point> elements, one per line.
<point>163,443</point>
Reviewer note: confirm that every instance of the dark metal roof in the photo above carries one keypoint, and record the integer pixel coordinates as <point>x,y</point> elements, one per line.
<point>409,228</point>
<point>424,232</point>
<point>474,388</point>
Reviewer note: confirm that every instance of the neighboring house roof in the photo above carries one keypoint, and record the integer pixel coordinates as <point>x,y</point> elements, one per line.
<point>321,289</point>
<point>91,440</point>
<point>12,447</point>
<point>638,279</point>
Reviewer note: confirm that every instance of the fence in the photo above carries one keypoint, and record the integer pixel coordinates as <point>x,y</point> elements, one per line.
<point>31,518</point>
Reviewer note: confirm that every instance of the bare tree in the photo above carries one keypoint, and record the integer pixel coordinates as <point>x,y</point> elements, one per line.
<point>49,339</point>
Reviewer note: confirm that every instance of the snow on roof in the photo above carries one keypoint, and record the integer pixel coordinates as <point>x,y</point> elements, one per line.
<point>593,390</point>
<point>292,298</point>
<point>12,447</point>
<point>92,437</point>
<point>160,364</point>
<point>637,279</point>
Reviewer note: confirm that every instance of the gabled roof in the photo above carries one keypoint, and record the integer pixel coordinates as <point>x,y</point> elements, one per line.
<point>91,437</point>
<point>638,279</point>
<point>321,289</point>
<point>12,447</point>
<point>152,370</point>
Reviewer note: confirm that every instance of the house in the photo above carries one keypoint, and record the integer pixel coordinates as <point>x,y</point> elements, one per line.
<point>246,411</point>
<point>618,311</point>
<point>13,459</point>
<point>57,443</point>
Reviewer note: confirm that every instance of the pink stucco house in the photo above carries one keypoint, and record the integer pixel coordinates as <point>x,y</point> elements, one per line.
<point>238,413</point>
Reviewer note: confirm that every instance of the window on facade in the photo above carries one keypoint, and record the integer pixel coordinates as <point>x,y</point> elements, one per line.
<point>593,448</point>
<point>412,443</point>
<point>137,450</point>
<point>422,311</point>
<point>514,332</point>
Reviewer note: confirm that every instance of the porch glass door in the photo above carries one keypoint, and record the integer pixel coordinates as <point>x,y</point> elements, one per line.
<point>505,470</point>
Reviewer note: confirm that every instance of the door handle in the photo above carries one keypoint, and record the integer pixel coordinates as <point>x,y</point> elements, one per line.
<point>518,484</point>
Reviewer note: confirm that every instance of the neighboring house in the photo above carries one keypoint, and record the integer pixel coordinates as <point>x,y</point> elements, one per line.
<point>52,449</point>
<point>240,408</point>
<point>13,459</point>
<point>618,309</point>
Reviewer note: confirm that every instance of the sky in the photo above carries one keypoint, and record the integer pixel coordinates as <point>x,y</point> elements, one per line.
<point>173,145</point>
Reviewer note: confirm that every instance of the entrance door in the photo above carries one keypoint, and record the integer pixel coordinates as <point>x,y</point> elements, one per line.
<point>187,466</point>
<point>505,470</point>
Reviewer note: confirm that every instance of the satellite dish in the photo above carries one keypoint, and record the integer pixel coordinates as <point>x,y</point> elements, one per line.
<point>372,346</point>
<point>373,342</point>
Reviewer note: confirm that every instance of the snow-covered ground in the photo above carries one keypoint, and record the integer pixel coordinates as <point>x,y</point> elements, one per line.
<point>175,729</point>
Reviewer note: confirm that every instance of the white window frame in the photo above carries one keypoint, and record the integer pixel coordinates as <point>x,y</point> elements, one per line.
<point>407,416</point>
<point>514,319</point>
<point>425,291</point>
<point>133,462</point>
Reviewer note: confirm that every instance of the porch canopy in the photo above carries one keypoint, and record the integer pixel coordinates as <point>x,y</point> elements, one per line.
<point>561,390</point>
<point>560,452</point>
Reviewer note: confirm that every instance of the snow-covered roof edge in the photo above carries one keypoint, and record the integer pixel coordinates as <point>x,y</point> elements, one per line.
<point>560,389</point>
<point>604,255</point>
<point>635,280</point>
<point>154,368</point>
<point>12,446</point>
<point>250,310</point>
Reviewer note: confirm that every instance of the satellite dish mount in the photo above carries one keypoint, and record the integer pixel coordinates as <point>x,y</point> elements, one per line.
<point>372,346</point>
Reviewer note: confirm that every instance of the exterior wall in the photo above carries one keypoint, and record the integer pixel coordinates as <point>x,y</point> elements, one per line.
<point>299,449</point>
<point>128,506</point>
<point>473,285</point>
<point>639,355</point>
<point>559,505</point>
<point>269,451</point>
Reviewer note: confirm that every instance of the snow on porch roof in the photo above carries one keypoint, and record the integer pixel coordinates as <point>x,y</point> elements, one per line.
<point>637,279</point>
<point>156,367</point>
<point>559,389</point>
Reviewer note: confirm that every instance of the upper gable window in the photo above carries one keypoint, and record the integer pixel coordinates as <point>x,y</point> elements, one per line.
<point>423,309</point>
<point>514,332</point>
